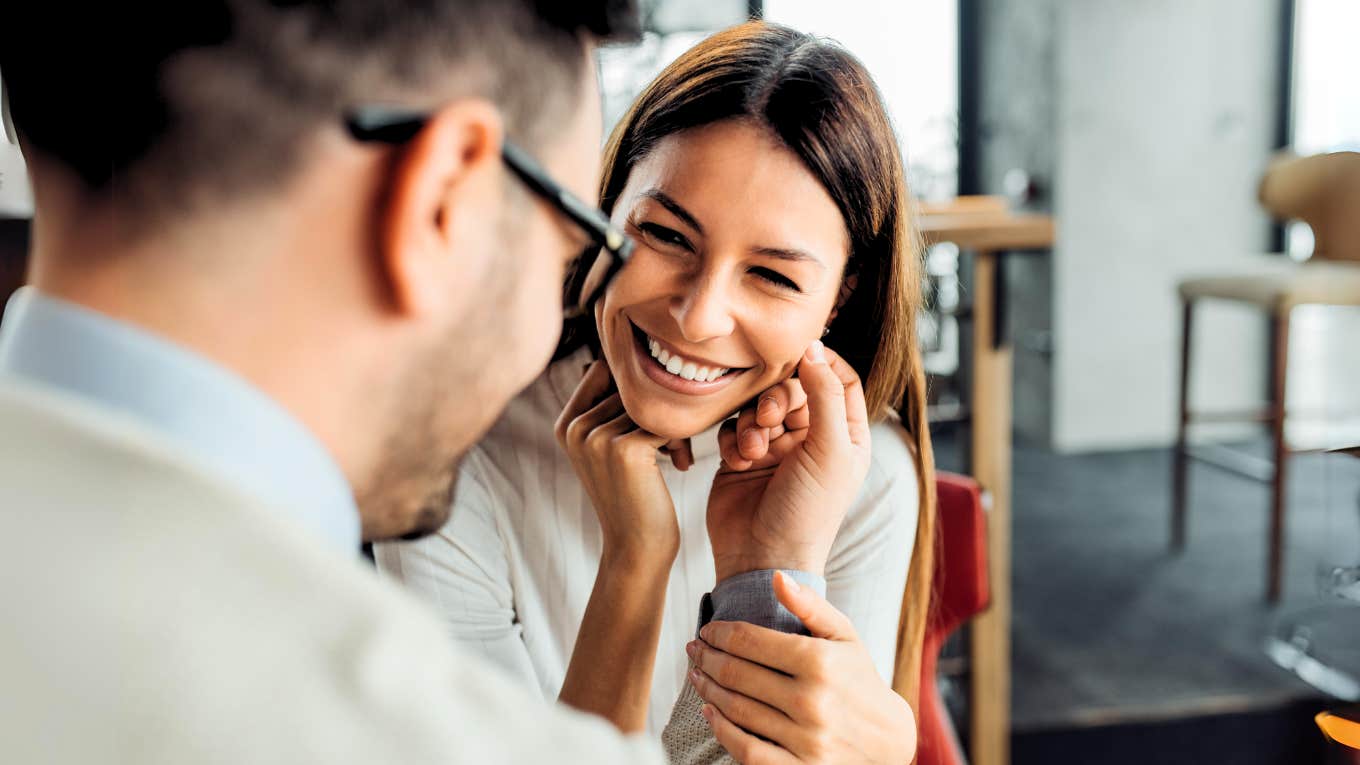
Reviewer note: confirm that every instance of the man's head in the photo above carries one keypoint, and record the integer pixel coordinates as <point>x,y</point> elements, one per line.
<point>193,175</point>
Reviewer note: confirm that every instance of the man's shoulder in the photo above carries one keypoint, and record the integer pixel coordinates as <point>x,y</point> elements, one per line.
<point>163,617</point>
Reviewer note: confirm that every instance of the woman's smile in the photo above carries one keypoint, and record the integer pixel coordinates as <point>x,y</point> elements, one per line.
<point>687,374</point>
<point>738,268</point>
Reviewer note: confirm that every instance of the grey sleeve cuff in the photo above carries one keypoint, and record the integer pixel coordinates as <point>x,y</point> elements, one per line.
<point>750,597</point>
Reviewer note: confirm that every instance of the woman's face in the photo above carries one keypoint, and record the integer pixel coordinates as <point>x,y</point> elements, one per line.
<point>737,270</point>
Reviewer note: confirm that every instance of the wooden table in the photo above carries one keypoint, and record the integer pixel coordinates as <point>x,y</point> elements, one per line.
<point>984,228</point>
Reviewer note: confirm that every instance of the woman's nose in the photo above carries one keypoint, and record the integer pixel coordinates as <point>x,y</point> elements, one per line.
<point>703,311</point>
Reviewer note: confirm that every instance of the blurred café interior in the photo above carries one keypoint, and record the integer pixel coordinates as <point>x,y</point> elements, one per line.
<point>1141,224</point>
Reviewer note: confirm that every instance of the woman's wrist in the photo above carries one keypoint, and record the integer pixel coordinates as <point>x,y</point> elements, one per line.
<point>728,566</point>
<point>633,556</point>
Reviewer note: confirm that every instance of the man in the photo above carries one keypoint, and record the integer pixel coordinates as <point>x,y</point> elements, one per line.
<point>287,264</point>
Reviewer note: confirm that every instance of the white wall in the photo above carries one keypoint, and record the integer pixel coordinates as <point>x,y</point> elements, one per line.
<point>1165,121</point>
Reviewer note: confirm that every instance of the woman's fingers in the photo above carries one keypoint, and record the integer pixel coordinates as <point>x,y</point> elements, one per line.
<point>681,454</point>
<point>752,440</point>
<point>593,387</point>
<point>727,448</point>
<point>605,433</point>
<point>826,396</point>
<point>782,444</point>
<point>581,426</point>
<point>780,401</point>
<point>856,410</point>
<point>818,615</point>
<point>835,397</point>
<point>752,715</point>
<point>744,747</point>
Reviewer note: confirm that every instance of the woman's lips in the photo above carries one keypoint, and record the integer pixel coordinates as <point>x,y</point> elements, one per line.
<point>653,370</point>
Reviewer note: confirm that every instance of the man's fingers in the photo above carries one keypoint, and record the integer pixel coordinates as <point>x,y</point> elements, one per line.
<point>752,715</point>
<point>744,747</point>
<point>742,676</point>
<point>757,645</point>
<point>819,616</point>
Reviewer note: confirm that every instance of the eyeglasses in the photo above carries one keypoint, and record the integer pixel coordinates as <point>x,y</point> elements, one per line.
<point>589,274</point>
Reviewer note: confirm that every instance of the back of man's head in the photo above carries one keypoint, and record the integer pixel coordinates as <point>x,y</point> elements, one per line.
<point>194,177</point>
<point>175,103</point>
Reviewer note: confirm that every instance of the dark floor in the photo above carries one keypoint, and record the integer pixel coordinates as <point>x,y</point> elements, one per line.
<point>1115,638</point>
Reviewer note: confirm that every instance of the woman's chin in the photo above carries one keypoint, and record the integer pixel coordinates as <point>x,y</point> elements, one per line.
<point>668,424</point>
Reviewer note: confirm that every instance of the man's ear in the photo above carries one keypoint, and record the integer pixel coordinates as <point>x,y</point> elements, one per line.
<point>439,175</point>
<point>847,289</point>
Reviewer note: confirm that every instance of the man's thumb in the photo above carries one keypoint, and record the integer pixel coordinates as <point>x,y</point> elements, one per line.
<point>820,617</point>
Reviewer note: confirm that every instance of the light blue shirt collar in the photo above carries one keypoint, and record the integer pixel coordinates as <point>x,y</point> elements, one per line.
<point>218,418</point>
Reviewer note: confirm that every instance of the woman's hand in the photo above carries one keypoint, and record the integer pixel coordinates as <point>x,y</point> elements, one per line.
<point>779,499</point>
<point>774,697</point>
<point>617,463</point>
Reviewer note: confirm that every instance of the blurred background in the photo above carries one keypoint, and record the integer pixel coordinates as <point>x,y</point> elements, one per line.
<point>1113,153</point>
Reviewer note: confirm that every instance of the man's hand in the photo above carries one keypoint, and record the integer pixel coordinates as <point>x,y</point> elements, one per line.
<point>775,698</point>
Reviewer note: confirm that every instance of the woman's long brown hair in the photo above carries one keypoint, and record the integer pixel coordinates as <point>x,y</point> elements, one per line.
<point>821,103</point>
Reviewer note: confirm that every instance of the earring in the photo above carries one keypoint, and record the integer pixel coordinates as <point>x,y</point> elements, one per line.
<point>826,331</point>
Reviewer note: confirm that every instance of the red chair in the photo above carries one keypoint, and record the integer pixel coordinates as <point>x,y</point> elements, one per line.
<point>961,593</point>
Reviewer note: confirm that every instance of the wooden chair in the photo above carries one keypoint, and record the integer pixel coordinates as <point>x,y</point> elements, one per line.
<point>1323,191</point>
<point>960,593</point>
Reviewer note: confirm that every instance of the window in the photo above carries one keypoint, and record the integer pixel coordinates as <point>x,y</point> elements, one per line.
<point>1326,100</point>
<point>911,49</point>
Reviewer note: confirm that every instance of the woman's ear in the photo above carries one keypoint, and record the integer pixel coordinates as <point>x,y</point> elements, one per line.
<point>438,177</point>
<point>847,289</point>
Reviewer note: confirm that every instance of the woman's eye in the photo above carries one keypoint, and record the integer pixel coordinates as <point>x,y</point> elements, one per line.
<point>774,277</point>
<point>664,235</point>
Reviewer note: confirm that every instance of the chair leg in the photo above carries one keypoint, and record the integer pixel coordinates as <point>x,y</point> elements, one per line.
<point>1180,458</point>
<point>1279,367</point>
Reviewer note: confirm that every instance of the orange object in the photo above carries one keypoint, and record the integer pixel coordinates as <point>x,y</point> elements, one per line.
<point>1339,729</point>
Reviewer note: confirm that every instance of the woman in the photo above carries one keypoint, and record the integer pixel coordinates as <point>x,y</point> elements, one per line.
<point>761,179</point>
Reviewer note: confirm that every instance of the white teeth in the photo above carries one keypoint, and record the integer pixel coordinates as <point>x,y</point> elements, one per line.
<point>682,368</point>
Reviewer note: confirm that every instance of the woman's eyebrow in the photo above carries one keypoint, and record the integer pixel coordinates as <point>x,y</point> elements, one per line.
<point>679,211</point>
<point>675,207</point>
<point>788,254</point>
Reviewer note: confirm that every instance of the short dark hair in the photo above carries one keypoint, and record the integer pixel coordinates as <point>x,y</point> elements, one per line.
<point>165,102</point>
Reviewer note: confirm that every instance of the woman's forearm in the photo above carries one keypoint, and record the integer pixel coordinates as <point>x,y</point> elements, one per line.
<point>611,665</point>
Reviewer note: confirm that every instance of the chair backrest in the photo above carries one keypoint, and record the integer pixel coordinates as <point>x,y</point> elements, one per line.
<point>961,592</point>
<point>1322,190</point>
